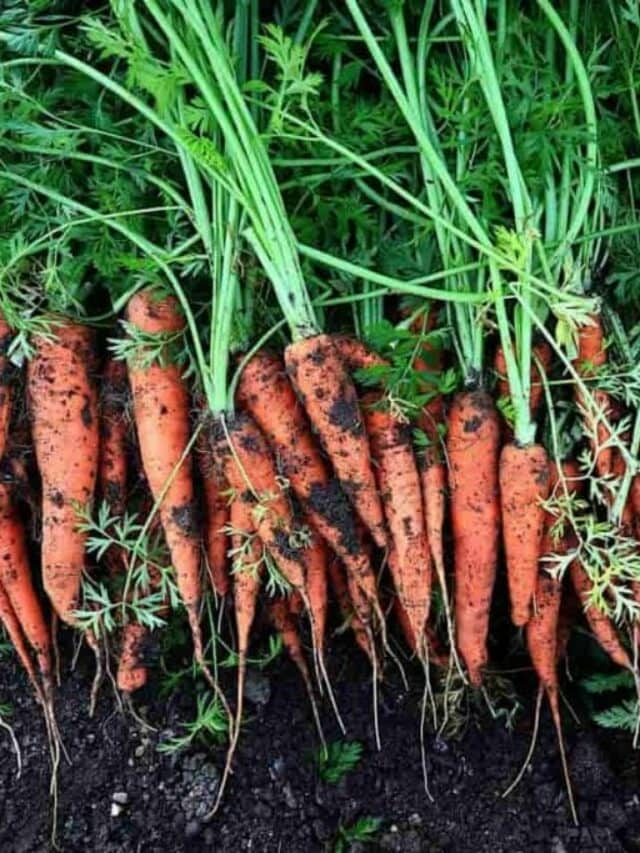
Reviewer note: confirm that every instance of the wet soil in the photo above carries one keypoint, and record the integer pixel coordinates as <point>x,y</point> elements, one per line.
<point>121,794</point>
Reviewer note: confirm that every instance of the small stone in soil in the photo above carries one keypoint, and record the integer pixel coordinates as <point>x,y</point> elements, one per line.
<point>257,688</point>
<point>120,797</point>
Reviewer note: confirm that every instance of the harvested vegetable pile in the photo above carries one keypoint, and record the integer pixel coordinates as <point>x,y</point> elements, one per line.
<point>322,317</point>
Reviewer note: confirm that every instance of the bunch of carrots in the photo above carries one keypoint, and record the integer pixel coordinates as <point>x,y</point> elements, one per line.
<point>255,424</point>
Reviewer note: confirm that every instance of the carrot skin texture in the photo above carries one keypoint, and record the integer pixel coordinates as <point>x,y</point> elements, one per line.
<point>246,582</point>
<point>600,624</point>
<point>317,559</point>
<point>113,468</point>
<point>267,394</point>
<point>524,483</point>
<point>399,482</point>
<point>329,397</point>
<point>14,631</point>
<point>161,413</point>
<point>250,471</point>
<point>217,515</point>
<point>132,673</point>
<point>433,480</point>
<point>63,406</point>
<point>472,449</point>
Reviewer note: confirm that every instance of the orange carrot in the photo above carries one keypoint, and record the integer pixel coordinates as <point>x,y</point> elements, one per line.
<point>329,397</point>
<point>600,624</point>
<point>63,407</point>
<point>15,577</point>
<point>161,413</point>
<point>524,484</point>
<point>433,480</point>
<point>399,482</point>
<point>14,631</point>
<point>317,560</point>
<point>6,389</point>
<point>592,355</point>
<point>113,469</point>
<point>217,514</point>
<point>472,450</point>
<point>245,461</point>
<point>132,672</point>
<point>267,394</point>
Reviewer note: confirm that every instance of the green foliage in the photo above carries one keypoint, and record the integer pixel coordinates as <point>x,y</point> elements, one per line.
<point>339,758</point>
<point>362,831</point>
<point>209,727</point>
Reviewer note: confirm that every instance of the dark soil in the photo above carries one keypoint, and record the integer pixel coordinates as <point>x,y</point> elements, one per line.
<point>121,794</point>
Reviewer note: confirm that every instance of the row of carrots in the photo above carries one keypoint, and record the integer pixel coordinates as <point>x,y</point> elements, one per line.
<point>315,472</point>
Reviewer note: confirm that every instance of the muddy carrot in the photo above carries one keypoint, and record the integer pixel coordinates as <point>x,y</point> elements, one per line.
<point>217,515</point>
<point>132,672</point>
<point>472,449</point>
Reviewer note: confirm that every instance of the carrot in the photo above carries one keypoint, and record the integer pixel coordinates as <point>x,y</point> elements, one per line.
<point>113,469</point>
<point>436,654</point>
<point>472,449</point>
<point>524,484</point>
<point>63,408</point>
<point>542,353</point>
<point>15,577</point>
<point>245,461</point>
<point>433,480</point>
<point>132,673</point>
<point>217,514</point>
<point>349,614</point>
<point>247,564</point>
<point>399,483</point>
<point>161,413</point>
<point>317,559</point>
<point>14,631</point>
<point>600,624</point>
<point>6,389</point>
<point>329,398</point>
<point>592,355</point>
<point>267,394</point>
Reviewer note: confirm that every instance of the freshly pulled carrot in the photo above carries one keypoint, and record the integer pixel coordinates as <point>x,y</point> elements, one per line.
<point>132,672</point>
<point>113,467</point>
<point>472,450</point>
<point>317,559</point>
<point>63,407</point>
<point>161,413</point>
<point>16,580</point>
<point>244,460</point>
<point>600,624</point>
<point>592,355</point>
<point>524,484</point>
<point>217,515</point>
<point>433,480</point>
<point>14,631</point>
<point>6,389</point>
<point>267,394</point>
<point>399,482</point>
<point>329,397</point>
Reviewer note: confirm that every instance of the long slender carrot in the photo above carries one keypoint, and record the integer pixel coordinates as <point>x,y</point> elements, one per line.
<point>15,577</point>
<point>247,567</point>
<point>330,400</point>
<point>113,467</point>
<point>63,406</point>
<point>267,394</point>
<point>592,356</point>
<point>317,560</point>
<point>399,482</point>
<point>472,450</point>
<point>6,387</point>
<point>217,515</point>
<point>161,413</point>
<point>14,631</point>
<point>600,624</point>
<point>524,484</point>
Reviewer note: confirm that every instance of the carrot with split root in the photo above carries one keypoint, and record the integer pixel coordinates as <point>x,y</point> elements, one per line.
<point>473,437</point>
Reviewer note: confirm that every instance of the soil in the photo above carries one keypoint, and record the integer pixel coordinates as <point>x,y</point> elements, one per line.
<point>120,794</point>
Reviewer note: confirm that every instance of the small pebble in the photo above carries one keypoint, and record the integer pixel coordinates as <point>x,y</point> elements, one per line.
<point>120,797</point>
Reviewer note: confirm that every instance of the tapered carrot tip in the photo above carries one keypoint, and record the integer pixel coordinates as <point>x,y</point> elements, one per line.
<point>132,673</point>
